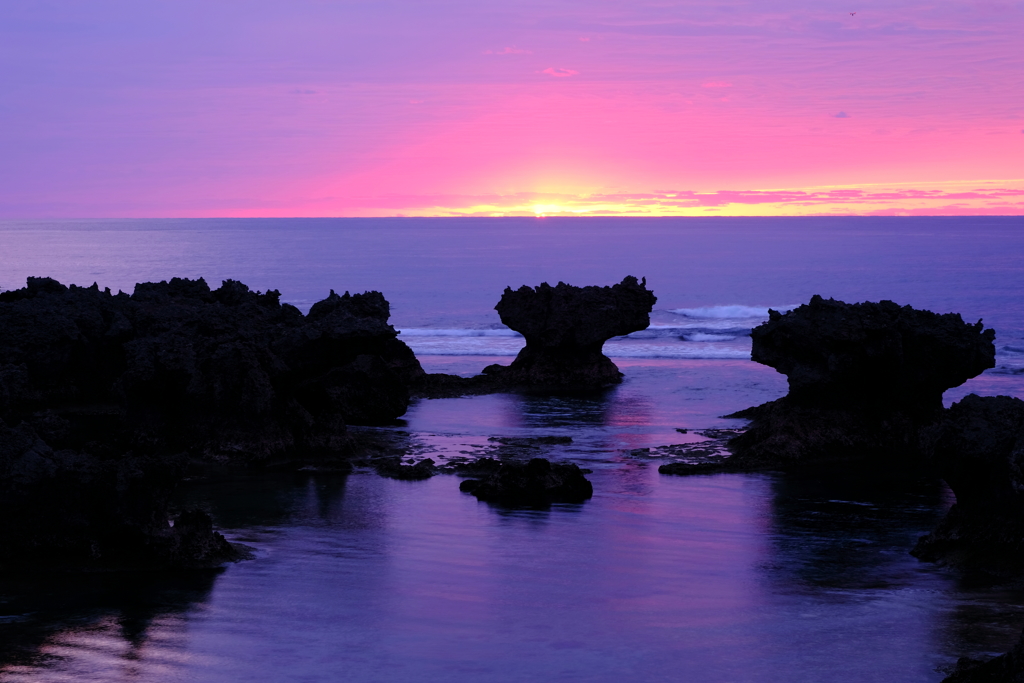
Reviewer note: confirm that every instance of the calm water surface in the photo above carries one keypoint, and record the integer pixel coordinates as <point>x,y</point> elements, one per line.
<point>721,578</point>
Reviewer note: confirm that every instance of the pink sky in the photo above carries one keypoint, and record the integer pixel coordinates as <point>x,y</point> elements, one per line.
<point>424,107</point>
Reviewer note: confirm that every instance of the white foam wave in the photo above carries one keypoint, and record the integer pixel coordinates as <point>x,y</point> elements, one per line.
<point>704,337</point>
<point>428,332</point>
<point>680,351</point>
<point>448,351</point>
<point>712,332</point>
<point>477,346</point>
<point>731,311</point>
<point>711,339</point>
<point>656,332</point>
<point>693,332</point>
<point>465,345</point>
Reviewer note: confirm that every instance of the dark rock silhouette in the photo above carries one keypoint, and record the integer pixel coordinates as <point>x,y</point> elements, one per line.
<point>978,448</point>
<point>73,509</point>
<point>1006,668</point>
<point>227,372</point>
<point>109,384</point>
<point>537,483</point>
<point>565,329</point>
<point>481,467</point>
<point>863,379</point>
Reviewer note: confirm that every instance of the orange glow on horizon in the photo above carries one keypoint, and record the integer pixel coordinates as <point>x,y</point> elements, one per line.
<point>981,197</point>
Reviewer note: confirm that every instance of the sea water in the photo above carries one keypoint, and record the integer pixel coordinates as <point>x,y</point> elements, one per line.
<point>716,578</point>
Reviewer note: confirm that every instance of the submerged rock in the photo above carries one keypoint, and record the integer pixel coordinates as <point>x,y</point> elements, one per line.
<point>394,469</point>
<point>863,379</point>
<point>565,329</point>
<point>481,467</point>
<point>978,448</point>
<point>537,483</point>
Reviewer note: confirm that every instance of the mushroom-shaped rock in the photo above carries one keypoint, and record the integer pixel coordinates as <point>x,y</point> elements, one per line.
<point>565,328</point>
<point>537,483</point>
<point>978,448</point>
<point>872,355</point>
<point>863,379</point>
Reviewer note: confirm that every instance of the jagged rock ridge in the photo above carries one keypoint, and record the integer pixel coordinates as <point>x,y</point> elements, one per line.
<point>121,393</point>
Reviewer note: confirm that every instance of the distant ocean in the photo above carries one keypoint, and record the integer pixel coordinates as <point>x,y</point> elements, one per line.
<point>714,579</point>
<point>715,278</point>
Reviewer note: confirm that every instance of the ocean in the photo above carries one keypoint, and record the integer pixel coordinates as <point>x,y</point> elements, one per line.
<point>720,578</point>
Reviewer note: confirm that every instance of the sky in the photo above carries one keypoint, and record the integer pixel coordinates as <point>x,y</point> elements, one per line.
<point>121,108</point>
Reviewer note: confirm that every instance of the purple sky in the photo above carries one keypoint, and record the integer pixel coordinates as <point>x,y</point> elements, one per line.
<point>434,108</point>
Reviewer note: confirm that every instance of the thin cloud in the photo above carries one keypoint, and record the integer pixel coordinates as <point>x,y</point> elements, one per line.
<point>559,73</point>
<point>841,115</point>
<point>509,51</point>
<point>701,30</point>
<point>716,84</point>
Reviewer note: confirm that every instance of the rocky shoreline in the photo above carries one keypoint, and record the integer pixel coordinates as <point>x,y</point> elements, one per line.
<point>108,401</point>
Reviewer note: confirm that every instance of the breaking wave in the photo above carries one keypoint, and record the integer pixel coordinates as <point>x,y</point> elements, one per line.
<point>731,311</point>
<point>709,332</point>
<point>427,332</point>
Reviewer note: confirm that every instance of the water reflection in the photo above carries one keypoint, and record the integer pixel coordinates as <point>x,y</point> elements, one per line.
<point>840,527</point>
<point>839,542</point>
<point>985,622</point>
<point>529,411</point>
<point>109,622</point>
<point>655,399</point>
<point>769,578</point>
<point>720,578</point>
<point>267,499</point>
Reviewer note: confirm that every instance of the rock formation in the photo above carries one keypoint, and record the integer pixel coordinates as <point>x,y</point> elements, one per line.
<point>95,385</point>
<point>978,448</point>
<point>538,483</point>
<point>863,379</point>
<point>393,468</point>
<point>1006,668</point>
<point>225,372</point>
<point>565,329</point>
